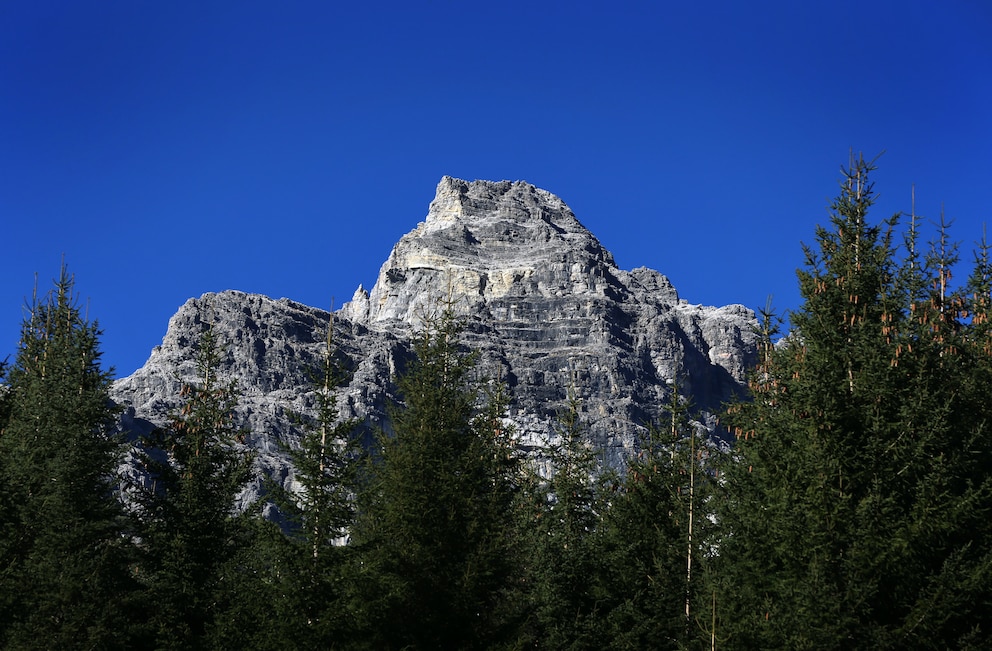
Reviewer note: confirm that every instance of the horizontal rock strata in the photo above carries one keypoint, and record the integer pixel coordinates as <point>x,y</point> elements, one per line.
<point>541,299</point>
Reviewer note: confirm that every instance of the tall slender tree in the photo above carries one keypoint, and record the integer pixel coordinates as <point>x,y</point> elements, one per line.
<point>654,538</point>
<point>64,578</point>
<point>562,560</point>
<point>434,521</point>
<point>307,560</point>
<point>191,531</point>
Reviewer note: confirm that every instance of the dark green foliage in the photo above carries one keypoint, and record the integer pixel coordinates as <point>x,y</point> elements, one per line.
<point>433,533</point>
<point>562,518</point>
<point>857,512</point>
<point>8,518</point>
<point>64,577</point>
<point>4,395</point>
<point>654,540</point>
<point>305,568</point>
<point>194,541</point>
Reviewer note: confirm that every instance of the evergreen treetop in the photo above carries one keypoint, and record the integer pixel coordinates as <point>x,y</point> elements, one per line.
<point>433,529</point>
<point>190,527</point>
<point>853,517</point>
<point>64,554</point>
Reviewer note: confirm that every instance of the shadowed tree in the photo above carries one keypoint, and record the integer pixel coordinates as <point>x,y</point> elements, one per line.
<point>655,536</point>
<point>304,558</point>
<point>561,517</point>
<point>192,536</point>
<point>433,531</point>
<point>64,553</point>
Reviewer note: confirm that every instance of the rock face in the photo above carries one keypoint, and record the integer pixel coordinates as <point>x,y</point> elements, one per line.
<point>542,300</point>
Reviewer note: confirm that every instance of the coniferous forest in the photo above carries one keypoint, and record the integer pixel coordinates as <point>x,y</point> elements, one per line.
<point>853,509</point>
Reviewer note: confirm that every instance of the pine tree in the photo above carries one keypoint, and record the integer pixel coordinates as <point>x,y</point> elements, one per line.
<point>306,565</point>
<point>562,558</point>
<point>654,538</point>
<point>64,578</point>
<point>4,394</point>
<point>433,524</point>
<point>193,538</point>
<point>8,518</point>
<point>805,477</point>
<point>855,514</point>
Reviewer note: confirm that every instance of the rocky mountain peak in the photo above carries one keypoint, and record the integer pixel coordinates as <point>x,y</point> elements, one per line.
<point>541,300</point>
<point>484,240</point>
<point>507,203</point>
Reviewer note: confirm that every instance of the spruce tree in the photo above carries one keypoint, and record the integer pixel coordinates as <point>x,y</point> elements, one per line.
<point>654,538</point>
<point>562,557</point>
<point>8,519</point>
<point>305,557</point>
<point>855,515</point>
<point>433,525</point>
<point>4,394</point>
<point>192,536</point>
<point>64,576</point>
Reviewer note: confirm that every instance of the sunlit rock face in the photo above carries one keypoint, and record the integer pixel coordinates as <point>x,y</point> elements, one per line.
<point>541,299</point>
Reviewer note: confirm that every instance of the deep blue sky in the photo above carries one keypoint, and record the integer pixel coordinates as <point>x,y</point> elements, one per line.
<point>171,149</point>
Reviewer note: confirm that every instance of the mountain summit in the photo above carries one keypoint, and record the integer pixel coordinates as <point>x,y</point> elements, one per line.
<point>542,301</point>
<point>487,241</point>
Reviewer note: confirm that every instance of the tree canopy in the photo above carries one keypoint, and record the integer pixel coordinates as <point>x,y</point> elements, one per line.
<point>855,509</point>
<point>64,561</point>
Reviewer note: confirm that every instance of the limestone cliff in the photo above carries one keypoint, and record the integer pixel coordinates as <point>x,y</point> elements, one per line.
<point>541,298</point>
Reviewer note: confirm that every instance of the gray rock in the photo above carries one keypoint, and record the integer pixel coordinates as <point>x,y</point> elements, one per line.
<point>541,299</point>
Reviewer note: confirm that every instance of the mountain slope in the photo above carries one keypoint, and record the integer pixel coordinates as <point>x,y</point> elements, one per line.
<point>542,300</point>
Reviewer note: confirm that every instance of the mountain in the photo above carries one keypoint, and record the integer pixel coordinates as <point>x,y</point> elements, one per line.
<point>542,301</point>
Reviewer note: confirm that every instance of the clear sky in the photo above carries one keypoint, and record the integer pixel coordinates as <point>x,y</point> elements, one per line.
<point>168,149</point>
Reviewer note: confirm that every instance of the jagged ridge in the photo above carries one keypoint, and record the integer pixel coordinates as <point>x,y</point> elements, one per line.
<point>542,300</point>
